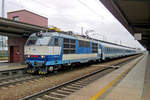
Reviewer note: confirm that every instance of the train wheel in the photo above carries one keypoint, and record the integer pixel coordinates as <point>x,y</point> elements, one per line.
<point>55,72</point>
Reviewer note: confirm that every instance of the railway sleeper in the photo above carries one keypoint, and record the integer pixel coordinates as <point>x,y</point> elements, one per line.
<point>63,92</point>
<point>47,97</point>
<point>83,84</point>
<point>72,87</point>
<point>63,95</point>
<point>38,99</point>
<point>75,85</point>
<point>67,89</point>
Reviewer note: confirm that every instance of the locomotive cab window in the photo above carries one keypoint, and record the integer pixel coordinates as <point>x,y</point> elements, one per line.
<point>56,43</point>
<point>39,41</point>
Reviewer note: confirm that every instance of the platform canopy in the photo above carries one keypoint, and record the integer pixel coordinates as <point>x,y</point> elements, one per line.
<point>16,28</point>
<point>134,15</point>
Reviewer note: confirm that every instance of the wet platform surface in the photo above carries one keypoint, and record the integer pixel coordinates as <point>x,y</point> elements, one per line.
<point>135,85</point>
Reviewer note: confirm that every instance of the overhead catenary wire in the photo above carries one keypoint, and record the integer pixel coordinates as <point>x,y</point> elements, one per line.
<point>93,11</point>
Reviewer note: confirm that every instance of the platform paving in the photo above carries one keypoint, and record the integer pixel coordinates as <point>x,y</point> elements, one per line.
<point>130,87</point>
<point>100,85</point>
<point>3,61</point>
<point>146,90</point>
<point>9,66</point>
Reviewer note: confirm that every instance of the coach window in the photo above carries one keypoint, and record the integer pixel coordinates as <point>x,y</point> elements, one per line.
<point>107,50</point>
<point>110,50</point>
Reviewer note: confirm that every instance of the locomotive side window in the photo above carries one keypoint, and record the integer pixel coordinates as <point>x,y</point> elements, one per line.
<point>66,51</point>
<point>69,46</point>
<point>66,40</point>
<point>94,48</point>
<point>84,44</point>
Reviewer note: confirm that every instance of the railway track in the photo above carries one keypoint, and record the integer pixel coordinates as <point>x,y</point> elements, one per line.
<point>6,81</point>
<point>12,72</point>
<point>65,89</point>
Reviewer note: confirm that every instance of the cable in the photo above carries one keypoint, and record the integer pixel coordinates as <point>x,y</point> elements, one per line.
<point>90,8</point>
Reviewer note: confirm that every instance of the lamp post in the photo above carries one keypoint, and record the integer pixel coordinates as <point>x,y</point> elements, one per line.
<point>3,15</point>
<point>3,8</point>
<point>82,31</point>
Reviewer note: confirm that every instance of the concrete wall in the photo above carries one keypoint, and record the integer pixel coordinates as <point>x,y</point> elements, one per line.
<point>29,17</point>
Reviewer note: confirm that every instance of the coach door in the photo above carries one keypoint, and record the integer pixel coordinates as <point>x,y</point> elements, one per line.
<point>100,50</point>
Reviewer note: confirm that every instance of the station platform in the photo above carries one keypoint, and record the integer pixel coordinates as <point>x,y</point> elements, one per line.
<point>129,82</point>
<point>3,61</point>
<point>10,66</point>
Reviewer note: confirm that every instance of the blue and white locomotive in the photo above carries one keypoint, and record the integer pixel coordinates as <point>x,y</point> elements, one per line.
<point>48,51</point>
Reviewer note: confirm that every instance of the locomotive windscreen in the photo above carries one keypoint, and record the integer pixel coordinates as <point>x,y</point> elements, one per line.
<point>40,41</point>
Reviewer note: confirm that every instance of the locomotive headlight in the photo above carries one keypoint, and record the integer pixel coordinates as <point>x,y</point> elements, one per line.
<point>42,56</point>
<point>28,56</point>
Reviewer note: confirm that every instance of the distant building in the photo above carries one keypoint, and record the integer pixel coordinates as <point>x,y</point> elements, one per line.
<point>28,17</point>
<point>15,44</point>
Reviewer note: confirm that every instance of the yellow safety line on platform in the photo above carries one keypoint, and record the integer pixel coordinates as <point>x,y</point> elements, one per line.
<point>113,82</point>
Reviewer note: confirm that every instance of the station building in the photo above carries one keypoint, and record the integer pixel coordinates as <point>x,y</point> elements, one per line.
<point>16,44</point>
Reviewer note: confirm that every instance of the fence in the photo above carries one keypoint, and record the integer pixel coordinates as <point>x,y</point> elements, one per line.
<point>3,55</point>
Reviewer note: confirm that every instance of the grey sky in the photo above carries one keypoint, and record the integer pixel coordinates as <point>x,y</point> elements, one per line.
<point>74,14</point>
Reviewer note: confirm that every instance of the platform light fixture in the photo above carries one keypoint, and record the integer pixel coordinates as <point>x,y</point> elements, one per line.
<point>138,36</point>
